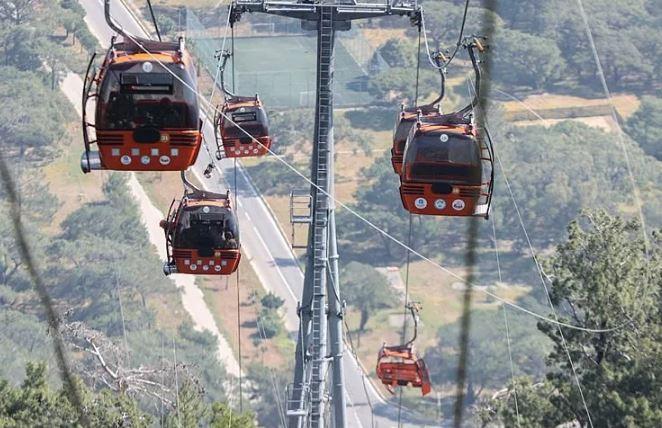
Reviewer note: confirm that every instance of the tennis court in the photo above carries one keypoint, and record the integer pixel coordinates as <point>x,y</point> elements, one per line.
<point>282,70</point>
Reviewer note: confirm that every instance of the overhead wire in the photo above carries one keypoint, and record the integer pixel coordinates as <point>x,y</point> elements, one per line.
<point>470,257</point>
<point>72,389</point>
<point>236,208</point>
<point>274,385</point>
<point>220,58</point>
<point>163,376</point>
<point>119,298</point>
<point>259,324</point>
<point>404,315</point>
<point>156,25</point>
<point>614,114</point>
<point>555,321</point>
<point>465,323</point>
<point>174,356</point>
<point>544,284</point>
<point>457,44</point>
<point>432,61</point>
<point>522,103</point>
<point>348,339</point>
<point>540,272</point>
<point>377,228</point>
<point>241,396</point>
<point>409,238</point>
<point>505,320</point>
<point>348,335</point>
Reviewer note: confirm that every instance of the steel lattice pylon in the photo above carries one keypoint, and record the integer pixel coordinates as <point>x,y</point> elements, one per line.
<point>320,310</point>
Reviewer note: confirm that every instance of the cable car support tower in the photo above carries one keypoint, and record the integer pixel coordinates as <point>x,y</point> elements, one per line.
<point>320,341</point>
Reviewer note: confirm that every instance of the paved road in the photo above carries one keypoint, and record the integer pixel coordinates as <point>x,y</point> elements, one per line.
<point>265,246</point>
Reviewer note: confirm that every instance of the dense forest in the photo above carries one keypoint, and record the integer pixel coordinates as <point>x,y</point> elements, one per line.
<point>562,191</point>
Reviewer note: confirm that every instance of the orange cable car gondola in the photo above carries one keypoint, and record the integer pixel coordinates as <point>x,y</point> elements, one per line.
<point>147,114</point>
<point>448,167</point>
<point>241,125</point>
<point>400,366</point>
<point>202,235</point>
<point>408,116</point>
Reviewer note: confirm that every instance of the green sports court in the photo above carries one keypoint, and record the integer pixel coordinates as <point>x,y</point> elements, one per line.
<point>282,70</point>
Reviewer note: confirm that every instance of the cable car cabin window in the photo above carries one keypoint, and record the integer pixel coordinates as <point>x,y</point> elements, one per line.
<point>429,158</point>
<point>206,227</point>
<point>401,132</point>
<point>132,98</point>
<point>252,120</point>
<point>141,83</point>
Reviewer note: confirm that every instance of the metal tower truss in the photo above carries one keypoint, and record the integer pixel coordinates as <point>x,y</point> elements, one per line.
<point>320,340</point>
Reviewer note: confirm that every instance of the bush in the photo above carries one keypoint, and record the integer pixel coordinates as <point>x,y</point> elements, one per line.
<point>271,301</point>
<point>271,324</point>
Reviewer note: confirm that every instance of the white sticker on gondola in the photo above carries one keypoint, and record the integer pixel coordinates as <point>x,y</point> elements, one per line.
<point>154,152</point>
<point>420,203</point>
<point>126,159</point>
<point>217,268</point>
<point>440,204</point>
<point>458,205</point>
<point>147,67</point>
<point>205,268</point>
<point>115,152</point>
<point>145,160</point>
<point>443,138</point>
<point>164,160</point>
<point>205,210</point>
<point>193,267</point>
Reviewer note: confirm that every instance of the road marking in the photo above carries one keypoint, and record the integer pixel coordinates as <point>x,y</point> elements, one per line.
<point>270,217</point>
<point>351,403</point>
<point>287,284</point>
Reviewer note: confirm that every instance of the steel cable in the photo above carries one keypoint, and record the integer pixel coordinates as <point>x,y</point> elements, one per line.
<point>156,26</point>
<point>542,280</point>
<point>380,230</point>
<point>505,321</point>
<point>72,389</point>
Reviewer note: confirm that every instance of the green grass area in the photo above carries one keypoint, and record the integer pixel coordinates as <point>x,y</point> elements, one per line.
<point>282,70</point>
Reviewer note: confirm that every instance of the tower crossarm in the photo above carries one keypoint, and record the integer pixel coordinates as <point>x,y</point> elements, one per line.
<point>308,10</point>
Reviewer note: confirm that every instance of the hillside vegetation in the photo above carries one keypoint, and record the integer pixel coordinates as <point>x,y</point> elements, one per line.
<point>133,350</point>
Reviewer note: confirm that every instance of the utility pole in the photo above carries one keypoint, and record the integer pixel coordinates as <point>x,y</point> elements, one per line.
<point>320,309</point>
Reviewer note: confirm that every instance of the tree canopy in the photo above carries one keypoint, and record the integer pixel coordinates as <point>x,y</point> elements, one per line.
<point>645,126</point>
<point>603,277</point>
<point>365,289</point>
<point>489,359</point>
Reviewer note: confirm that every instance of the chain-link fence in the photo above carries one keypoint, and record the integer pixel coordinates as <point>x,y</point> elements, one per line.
<point>278,61</point>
